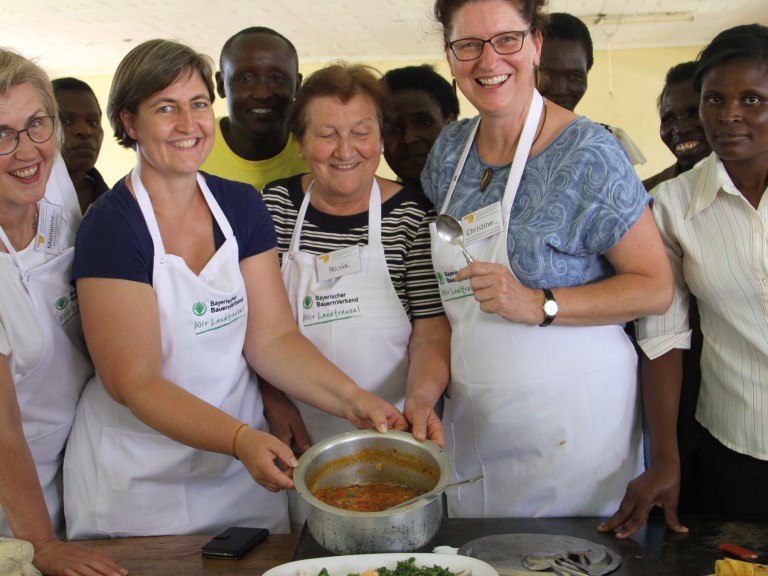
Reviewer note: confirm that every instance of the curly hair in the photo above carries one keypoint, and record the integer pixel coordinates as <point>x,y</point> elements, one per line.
<point>226,51</point>
<point>425,79</point>
<point>565,26</point>
<point>342,80</point>
<point>679,74</point>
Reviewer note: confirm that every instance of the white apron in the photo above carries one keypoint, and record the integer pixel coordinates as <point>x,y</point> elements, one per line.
<point>369,344</point>
<point>48,393</point>
<point>548,415</point>
<point>124,479</point>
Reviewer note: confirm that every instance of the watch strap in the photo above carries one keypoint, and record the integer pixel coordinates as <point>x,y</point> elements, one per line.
<point>548,318</point>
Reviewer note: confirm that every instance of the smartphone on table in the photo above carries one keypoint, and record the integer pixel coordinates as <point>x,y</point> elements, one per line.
<point>234,542</point>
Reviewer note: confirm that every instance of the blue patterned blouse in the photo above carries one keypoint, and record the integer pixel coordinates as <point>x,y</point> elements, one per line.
<point>577,198</point>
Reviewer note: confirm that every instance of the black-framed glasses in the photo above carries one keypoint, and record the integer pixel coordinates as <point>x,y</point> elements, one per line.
<point>504,43</point>
<point>38,129</point>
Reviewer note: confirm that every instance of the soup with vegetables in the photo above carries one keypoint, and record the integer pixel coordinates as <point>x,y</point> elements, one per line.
<point>373,497</point>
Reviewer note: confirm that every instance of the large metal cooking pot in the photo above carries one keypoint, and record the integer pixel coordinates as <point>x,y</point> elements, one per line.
<point>367,456</point>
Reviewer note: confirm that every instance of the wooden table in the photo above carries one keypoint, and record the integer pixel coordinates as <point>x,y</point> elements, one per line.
<point>653,551</point>
<point>180,555</point>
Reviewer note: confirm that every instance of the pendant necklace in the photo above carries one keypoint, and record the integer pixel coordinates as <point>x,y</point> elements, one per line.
<point>488,173</point>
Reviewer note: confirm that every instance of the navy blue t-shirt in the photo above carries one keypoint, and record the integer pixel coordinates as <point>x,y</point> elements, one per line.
<point>114,241</point>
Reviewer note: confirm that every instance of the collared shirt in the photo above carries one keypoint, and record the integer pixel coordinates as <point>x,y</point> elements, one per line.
<point>717,243</point>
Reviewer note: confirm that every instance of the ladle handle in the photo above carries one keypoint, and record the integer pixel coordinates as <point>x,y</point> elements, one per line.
<point>433,492</point>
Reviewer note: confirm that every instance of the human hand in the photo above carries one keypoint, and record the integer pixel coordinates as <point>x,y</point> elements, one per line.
<point>499,292</point>
<point>657,486</point>
<point>261,453</point>
<point>285,421</point>
<point>425,423</point>
<point>57,558</point>
<point>366,410</point>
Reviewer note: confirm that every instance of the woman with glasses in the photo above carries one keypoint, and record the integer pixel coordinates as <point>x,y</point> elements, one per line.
<point>43,360</point>
<point>543,396</point>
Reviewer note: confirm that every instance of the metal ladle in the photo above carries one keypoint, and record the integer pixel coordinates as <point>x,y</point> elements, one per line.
<point>435,491</point>
<point>450,231</point>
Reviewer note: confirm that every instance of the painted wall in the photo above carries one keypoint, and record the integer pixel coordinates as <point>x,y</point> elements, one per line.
<point>623,88</point>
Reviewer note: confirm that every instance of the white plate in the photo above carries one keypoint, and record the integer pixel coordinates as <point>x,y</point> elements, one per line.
<point>344,565</point>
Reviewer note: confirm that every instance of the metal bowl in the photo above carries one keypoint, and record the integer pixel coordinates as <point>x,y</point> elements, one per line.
<point>367,456</point>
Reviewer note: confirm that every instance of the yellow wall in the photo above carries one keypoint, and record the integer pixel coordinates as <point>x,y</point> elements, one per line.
<point>623,87</point>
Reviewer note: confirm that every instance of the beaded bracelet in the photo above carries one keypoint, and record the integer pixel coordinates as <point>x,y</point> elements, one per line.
<point>234,440</point>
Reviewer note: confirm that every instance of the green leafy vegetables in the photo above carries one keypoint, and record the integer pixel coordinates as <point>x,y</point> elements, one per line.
<point>404,568</point>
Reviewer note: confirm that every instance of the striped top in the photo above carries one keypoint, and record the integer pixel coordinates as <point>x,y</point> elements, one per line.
<point>718,247</point>
<point>405,235</point>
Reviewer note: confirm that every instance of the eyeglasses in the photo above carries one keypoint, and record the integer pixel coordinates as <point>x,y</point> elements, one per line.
<point>39,130</point>
<point>505,43</point>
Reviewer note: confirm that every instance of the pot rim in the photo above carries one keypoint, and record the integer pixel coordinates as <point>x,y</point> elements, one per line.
<point>299,473</point>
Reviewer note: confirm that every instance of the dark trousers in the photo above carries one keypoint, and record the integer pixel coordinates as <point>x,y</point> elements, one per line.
<point>727,482</point>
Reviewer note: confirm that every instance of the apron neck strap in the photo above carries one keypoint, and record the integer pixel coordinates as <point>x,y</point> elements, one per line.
<point>374,216</point>
<point>524,145</point>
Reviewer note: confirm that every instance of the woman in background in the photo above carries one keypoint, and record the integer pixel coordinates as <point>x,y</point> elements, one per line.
<point>80,116</point>
<point>680,128</point>
<point>713,223</point>
<point>43,360</point>
<point>420,104</point>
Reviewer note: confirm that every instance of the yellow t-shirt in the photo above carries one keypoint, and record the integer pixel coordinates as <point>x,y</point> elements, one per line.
<point>223,162</point>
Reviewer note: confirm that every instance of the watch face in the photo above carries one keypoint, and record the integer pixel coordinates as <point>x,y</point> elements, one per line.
<point>550,308</point>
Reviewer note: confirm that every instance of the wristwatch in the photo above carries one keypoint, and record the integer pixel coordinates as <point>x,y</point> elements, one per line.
<point>550,308</point>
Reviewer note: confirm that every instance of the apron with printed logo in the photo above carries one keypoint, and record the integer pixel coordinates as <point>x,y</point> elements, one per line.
<point>356,320</point>
<point>48,393</point>
<point>548,415</point>
<point>125,479</point>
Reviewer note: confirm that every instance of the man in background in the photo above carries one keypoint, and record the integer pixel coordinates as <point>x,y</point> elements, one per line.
<point>258,77</point>
<point>566,59</point>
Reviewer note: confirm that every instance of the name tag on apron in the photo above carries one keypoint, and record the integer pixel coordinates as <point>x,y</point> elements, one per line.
<point>338,263</point>
<point>48,228</point>
<point>482,223</point>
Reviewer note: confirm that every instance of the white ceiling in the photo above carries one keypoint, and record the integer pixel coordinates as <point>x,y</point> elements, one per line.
<point>86,37</point>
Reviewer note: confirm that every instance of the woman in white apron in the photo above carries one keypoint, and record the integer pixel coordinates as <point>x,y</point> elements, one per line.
<point>355,256</point>
<point>43,361</point>
<point>181,297</point>
<point>543,393</point>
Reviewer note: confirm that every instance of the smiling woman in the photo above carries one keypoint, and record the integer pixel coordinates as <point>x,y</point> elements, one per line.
<point>712,221</point>
<point>183,306</point>
<point>538,332</point>
<point>355,255</point>
<point>43,363</point>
